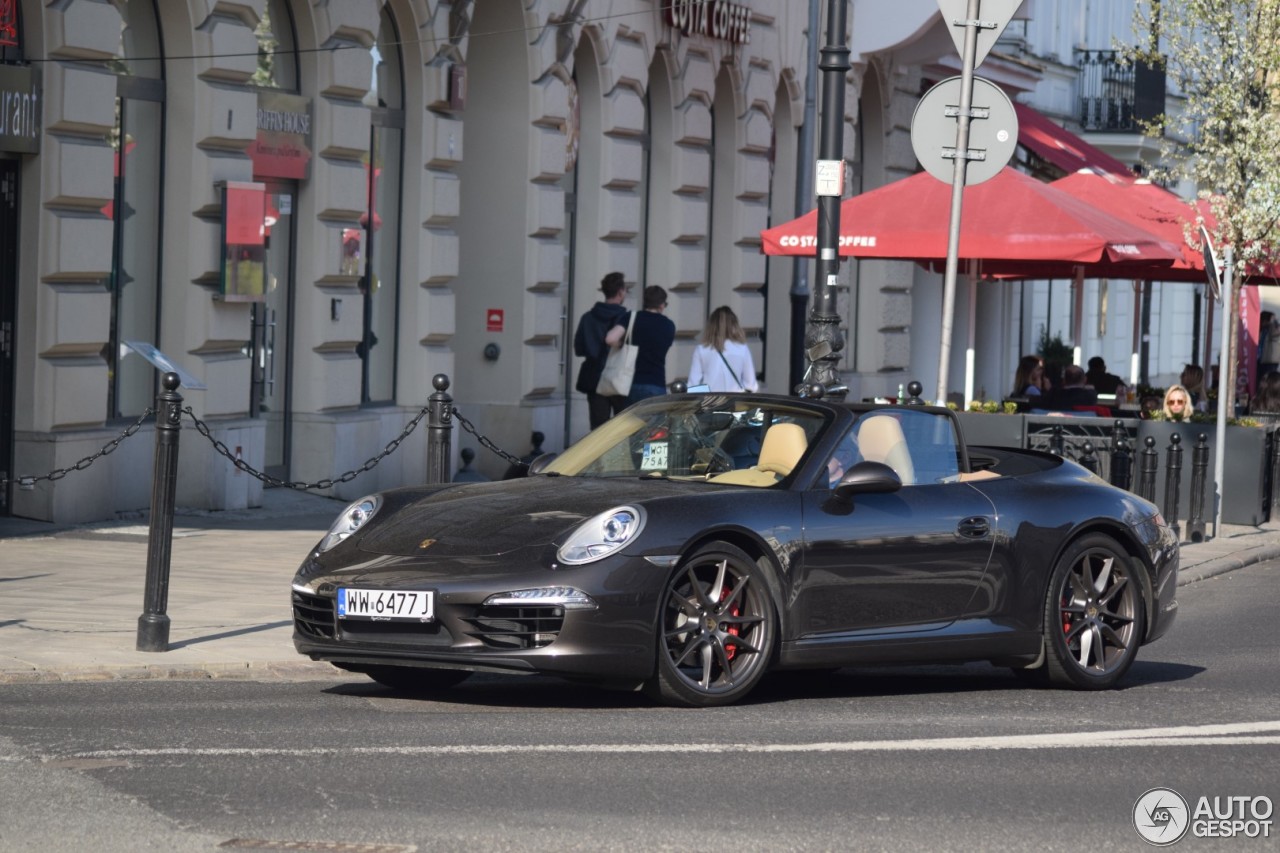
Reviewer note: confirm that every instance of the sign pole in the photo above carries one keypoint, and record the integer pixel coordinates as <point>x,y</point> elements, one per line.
<point>1225,398</point>
<point>967,56</point>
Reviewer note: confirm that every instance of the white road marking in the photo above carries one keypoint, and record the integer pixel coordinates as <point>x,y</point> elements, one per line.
<point>1229,734</point>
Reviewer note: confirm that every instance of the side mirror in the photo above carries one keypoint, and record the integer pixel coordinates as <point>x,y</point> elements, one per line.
<point>868,478</point>
<point>536,466</point>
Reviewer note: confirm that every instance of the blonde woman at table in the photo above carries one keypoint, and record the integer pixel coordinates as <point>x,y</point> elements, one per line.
<point>722,362</point>
<point>1177,403</point>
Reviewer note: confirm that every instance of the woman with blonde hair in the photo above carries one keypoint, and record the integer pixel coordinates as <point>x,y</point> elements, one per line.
<point>1177,403</point>
<point>722,362</point>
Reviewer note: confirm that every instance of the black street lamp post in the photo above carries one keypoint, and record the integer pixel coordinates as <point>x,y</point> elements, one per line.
<point>823,339</point>
<point>804,196</point>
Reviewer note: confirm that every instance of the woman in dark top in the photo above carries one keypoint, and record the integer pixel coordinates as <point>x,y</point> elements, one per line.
<point>653,333</point>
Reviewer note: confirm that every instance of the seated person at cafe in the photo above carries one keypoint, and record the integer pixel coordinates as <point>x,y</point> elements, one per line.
<point>1150,406</point>
<point>1029,379</point>
<point>1177,403</point>
<point>1192,381</point>
<point>1103,382</point>
<point>1267,400</point>
<point>1073,392</point>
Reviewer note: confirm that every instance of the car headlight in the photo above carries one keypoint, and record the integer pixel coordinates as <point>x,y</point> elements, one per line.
<point>548,596</point>
<point>350,520</point>
<point>601,536</point>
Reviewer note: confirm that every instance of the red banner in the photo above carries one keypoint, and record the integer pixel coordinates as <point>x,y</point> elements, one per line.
<point>1247,348</point>
<point>9,23</point>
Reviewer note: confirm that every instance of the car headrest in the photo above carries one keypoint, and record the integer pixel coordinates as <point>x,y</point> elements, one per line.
<point>782,448</point>
<point>880,439</point>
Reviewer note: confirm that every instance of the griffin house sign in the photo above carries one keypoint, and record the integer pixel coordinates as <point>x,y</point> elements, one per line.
<point>718,19</point>
<point>19,109</point>
<point>282,148</point>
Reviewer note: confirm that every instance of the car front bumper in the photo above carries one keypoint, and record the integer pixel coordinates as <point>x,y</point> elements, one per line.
<point>615,640</point>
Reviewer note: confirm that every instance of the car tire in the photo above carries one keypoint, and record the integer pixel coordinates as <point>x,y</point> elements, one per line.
<point>416,679</point>
<point>716,629</point>
<point>1094,615</point>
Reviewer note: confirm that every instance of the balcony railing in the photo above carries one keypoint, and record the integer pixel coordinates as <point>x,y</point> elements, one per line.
<point>1116,97</point>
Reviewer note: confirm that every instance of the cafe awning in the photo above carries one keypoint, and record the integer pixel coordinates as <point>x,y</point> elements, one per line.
<point>1010,218</point>
<point>1064,149</point>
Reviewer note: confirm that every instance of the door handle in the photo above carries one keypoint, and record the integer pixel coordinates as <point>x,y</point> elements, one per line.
<point>976,527</point>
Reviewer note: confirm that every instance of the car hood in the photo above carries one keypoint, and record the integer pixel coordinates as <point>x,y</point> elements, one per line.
<point>487,519</point>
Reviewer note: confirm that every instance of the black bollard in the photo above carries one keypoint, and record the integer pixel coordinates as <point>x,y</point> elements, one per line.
<point>1274,509</point>
<point>1148,462</point>
<point>914,390</point>
<point>1057,444</point>
<point>1121,462</point>
<point>1088,458</point>
<point>1199,479</point>
<point>153,624</point>
<point>439,430</point>
<point>1173,481</point>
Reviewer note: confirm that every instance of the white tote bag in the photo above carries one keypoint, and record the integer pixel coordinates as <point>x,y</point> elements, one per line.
<point>620,366</point>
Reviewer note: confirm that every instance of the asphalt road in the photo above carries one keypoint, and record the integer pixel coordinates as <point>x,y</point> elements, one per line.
<point>945,758</point>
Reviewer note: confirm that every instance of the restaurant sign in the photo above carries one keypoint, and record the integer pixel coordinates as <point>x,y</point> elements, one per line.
<point>718,19</point>
<point>282,148</point>
<point>20,109</point>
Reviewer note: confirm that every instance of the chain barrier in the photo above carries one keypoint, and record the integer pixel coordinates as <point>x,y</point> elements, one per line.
<point>220,447</point>
<point>59,473</point>
<point>203,429</point>
<point>484,440</point>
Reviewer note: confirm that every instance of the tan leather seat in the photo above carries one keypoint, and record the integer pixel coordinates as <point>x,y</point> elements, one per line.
<point>780,452</point>
<point>782,448</point>
<point>880,439</point>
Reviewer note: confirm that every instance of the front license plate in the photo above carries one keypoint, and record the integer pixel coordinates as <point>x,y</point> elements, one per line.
<point>379,604</point>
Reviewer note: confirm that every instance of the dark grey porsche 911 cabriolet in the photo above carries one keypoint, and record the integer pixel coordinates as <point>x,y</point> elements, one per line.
<point>695,542</point>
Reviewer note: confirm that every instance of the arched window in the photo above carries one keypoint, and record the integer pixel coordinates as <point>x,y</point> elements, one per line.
<point>277,53</point>
<point>135,209</point>
<point>380,279</point>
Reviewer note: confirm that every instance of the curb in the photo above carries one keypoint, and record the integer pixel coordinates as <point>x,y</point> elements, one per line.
<point>1229,563</point>
<point>255,671</point>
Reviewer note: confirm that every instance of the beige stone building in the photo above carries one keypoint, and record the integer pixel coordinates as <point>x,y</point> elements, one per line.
<point>312,207</point>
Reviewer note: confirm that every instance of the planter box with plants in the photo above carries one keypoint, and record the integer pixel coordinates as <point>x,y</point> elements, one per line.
<point>1246,467</point>
<point>992,423</point>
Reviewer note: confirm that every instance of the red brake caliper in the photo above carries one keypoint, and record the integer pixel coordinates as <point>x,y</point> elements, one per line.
<point>736,610</point>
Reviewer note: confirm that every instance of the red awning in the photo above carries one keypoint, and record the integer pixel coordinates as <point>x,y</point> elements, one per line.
<point>1012,217</point>
<point>1063,148</point>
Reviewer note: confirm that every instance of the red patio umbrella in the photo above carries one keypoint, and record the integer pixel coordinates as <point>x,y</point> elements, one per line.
<point>1012,217</point>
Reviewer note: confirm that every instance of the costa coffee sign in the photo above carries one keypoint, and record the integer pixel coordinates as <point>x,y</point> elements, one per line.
<point>717,19</point>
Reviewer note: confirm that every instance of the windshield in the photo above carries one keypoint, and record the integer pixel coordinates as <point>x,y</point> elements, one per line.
<point>722,439</point>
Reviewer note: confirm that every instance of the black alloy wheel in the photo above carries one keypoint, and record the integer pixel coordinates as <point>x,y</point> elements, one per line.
<point>1094,616</point>
<point>716,629</point>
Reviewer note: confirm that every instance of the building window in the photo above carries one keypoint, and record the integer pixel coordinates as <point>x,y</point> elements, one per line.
<point>135,210</point>
<point>380,279</point>
<point>277,56</point>
<point>10,33</point>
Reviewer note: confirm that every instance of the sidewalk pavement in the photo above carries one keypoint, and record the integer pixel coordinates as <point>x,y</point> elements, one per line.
<point>70,596</point>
